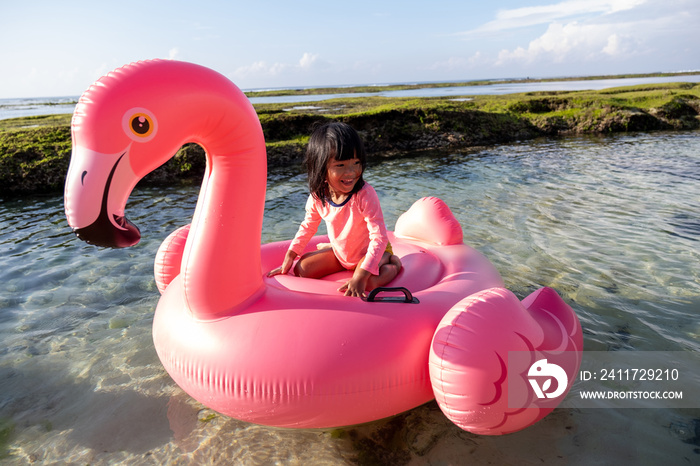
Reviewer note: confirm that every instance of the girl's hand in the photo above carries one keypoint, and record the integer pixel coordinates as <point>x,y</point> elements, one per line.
<point>357,284</point>
<point>286,265</point>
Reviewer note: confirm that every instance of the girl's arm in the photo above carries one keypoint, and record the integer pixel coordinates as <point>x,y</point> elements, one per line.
<point>307,229</point>
<point>286,265</point>
<point>378,237</point>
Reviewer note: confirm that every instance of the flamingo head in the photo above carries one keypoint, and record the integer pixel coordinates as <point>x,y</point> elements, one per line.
<point>125,125</point>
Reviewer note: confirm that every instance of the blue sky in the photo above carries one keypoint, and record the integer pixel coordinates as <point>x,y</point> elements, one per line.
<point>58,48</point>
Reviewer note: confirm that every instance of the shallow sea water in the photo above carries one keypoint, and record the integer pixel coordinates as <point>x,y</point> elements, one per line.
<point>38,106</point>
<point>612,223</point>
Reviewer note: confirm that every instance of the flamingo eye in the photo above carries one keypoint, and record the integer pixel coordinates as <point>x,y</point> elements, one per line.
<point>139,124</point>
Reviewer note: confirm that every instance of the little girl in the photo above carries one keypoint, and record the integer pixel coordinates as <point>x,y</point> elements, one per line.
<point>335,158</point>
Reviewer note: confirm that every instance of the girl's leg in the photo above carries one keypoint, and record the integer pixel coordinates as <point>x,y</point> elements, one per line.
<point>317,264</point>
<point>389,268</point>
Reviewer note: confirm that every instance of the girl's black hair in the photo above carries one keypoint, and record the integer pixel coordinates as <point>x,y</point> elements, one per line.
<point>332,140</point>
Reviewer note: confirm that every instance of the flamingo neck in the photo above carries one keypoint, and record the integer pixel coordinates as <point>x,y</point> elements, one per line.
<point>221,266</point>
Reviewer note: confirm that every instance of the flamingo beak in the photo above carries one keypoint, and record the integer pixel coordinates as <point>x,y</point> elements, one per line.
<point>103,233</point>
<point>96,191</point>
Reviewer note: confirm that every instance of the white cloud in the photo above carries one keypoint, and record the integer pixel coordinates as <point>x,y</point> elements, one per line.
<point>618,45</point>
<point>536,15</point>
<point>173,53</point>
<point>263,69</point>
<point>579,33</point>
<point>573,42</point>
<point>257,68</point>
<point>459,64</point>
<point>307,60</point>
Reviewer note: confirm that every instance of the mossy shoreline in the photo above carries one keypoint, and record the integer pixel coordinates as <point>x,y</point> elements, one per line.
<point>35,151</point>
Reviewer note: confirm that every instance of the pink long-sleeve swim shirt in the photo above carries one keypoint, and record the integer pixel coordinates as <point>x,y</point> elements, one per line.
<point>355,228</point>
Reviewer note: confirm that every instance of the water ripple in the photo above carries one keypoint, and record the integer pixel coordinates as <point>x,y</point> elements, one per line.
<point>609,222</point>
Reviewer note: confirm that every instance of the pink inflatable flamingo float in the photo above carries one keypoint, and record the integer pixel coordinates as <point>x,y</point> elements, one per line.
<point>293,352</point>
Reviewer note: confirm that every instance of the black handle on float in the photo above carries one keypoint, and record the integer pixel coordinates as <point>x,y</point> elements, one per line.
<point>407,296</point>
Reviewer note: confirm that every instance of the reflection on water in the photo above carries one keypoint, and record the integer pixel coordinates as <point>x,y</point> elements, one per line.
<point>611,223</point>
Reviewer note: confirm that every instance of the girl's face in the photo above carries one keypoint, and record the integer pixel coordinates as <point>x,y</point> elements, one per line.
<point>343,175</point>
